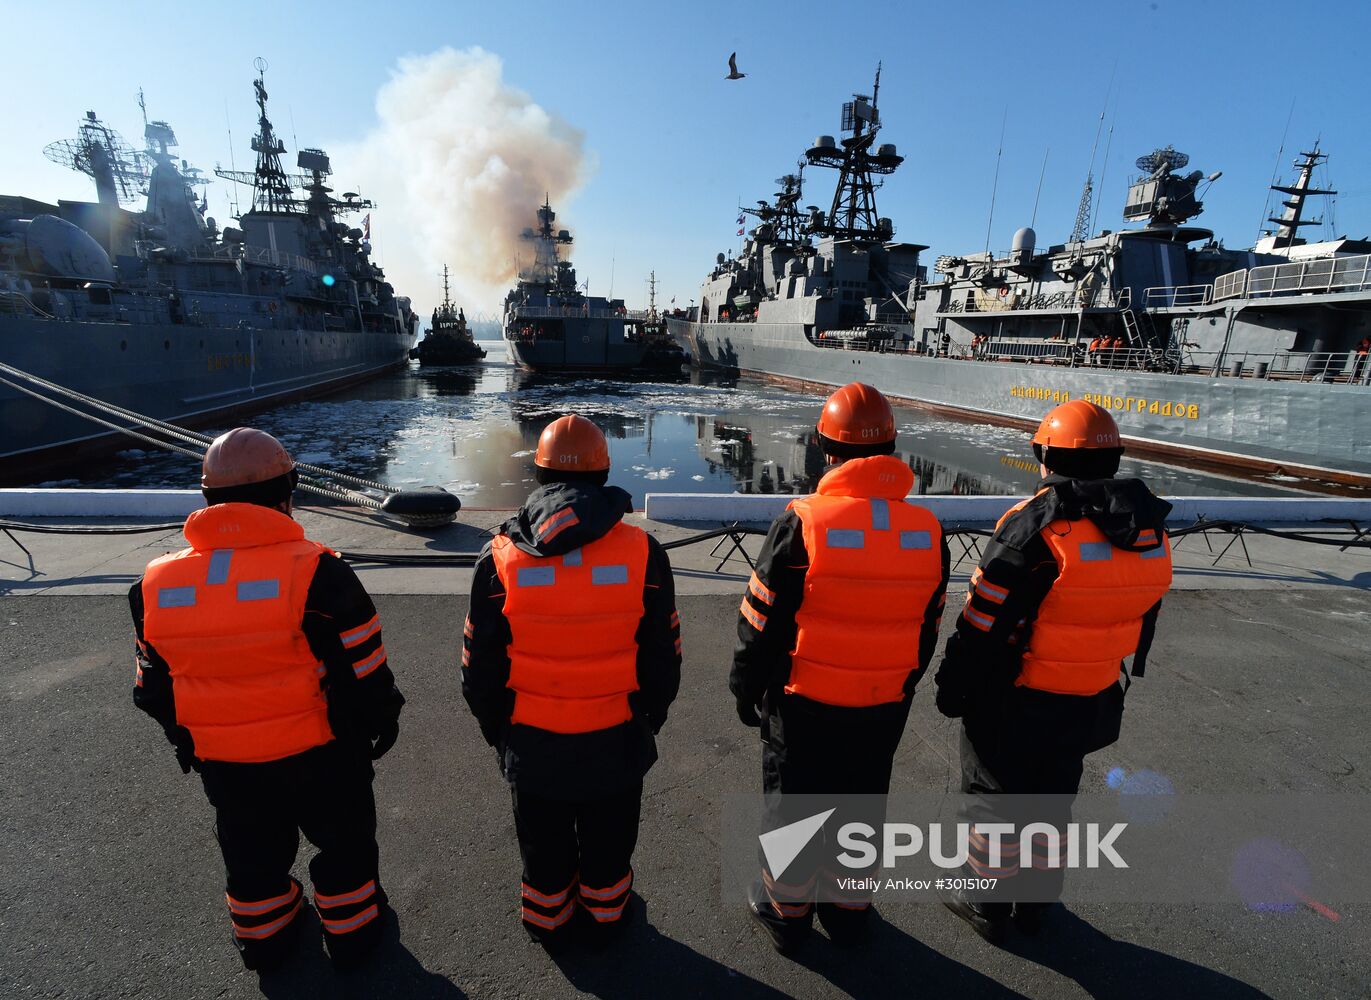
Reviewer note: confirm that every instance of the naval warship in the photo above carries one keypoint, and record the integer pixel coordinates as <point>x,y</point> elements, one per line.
<point>552,325</point>
<point>448,340</point>
<point>161,312</point>
<point>1251,360</point>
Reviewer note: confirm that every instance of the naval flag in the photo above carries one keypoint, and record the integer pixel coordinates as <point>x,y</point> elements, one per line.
<point>740,231</point>
<point>740,218</point>
<point>366,227</point>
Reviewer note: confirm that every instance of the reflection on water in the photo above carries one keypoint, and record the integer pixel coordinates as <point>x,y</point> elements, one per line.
<point>474,430</point>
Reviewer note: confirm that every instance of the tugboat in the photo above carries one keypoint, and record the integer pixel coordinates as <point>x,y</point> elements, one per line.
<point>664,355</point>
<point>448,341</point>
<point>551,325</point>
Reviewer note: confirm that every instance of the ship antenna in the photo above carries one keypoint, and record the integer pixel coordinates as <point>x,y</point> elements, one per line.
<point>876,87</point>
<point>1104,168</point>
<point>995,184</point>
<point>228,123</point>
<point>1081,230</point>
<point>1275,170</point>
<point>1043,173</point>
<point>143,106</point>
<point>447,299</point>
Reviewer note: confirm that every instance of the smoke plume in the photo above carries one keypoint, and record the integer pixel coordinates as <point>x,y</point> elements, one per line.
<point>458,165</point>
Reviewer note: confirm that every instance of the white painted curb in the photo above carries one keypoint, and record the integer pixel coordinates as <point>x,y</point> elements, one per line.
<point>99,503</point>
<point>727,507</point>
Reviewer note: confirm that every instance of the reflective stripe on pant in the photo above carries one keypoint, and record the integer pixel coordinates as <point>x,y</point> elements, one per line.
<point>1050,775</point>
<point>259,919</point>
<point>260,811</point>
<point>575,853</point>
<point>349,911</point>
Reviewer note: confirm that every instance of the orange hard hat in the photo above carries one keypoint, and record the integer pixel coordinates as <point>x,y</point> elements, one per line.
<point>241,456</point>
<point>572,444</point>
<point>857,414</point>
<point>1078,424</point>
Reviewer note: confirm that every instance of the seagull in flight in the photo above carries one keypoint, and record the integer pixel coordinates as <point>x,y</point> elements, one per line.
<point>733,73</point>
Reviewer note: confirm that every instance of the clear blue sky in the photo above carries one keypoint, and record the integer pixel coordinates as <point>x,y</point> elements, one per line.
<point>677,146</point>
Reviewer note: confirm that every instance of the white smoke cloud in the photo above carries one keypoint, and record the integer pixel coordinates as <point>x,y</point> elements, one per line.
<point>458,165</point>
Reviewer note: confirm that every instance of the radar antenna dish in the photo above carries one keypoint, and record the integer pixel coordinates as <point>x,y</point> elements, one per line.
<point>1167,156</point>
<point>120,172</point>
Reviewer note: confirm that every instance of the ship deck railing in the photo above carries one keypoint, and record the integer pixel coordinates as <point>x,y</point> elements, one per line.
<point>1177,296</point>
<point>1341,367</point>
<point>1067,300</point>
<point>1304,277</point>
<point>241,251</point>
<point>574,312</point>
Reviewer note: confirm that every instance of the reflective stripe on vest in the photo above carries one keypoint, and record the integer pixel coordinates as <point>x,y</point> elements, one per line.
<point>874,564</point>
<point>573,619</point>
<point>1092,617</point>
<point>226,615</point>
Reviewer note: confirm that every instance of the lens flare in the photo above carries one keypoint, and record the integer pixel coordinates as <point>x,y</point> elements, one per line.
<point>328,280</point>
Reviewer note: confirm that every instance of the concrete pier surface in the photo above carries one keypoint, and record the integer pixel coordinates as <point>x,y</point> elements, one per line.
<point>114,887</point>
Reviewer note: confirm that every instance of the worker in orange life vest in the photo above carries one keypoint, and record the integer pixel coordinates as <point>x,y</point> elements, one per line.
<point>260,654</point>
<point>571,658</point>
<point>1069,586</point>
<point>838,623</point>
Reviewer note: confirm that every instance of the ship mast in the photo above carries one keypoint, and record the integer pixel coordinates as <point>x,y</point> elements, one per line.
<point>1290,222</point>
<point>853,214</point>
<point>447,297</point>
<point>271,191</point>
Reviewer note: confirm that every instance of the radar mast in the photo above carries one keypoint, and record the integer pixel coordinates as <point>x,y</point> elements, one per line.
<point>853,214</point>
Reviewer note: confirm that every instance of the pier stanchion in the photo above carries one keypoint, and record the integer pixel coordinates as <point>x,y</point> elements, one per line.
<point>1237,534</point>
<point>733,536</point>
<point>31,567</point>
<point>1359,534</point>
<point>969,540</point>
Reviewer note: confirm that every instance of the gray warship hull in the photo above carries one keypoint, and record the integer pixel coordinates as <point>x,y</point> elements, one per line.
<point>1308,429</point>
<point>575,344</point>
<point>190,375</point>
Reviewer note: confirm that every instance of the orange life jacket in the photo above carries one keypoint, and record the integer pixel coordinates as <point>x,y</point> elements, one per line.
<point>1092,617</point>
<point>875,561</point>
<point>226,614</point>
<point>573,619</point>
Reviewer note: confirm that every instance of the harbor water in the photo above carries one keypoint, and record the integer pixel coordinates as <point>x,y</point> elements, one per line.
<point>473,430</point>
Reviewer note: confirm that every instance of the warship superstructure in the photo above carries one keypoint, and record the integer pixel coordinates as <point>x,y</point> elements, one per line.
<point>163,313</point>
<point>551,324</point>
<point>1251,359</point>
<point>448,339</point>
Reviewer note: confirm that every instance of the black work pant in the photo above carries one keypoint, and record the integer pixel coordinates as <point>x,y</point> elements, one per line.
<point>813,749</point>
<point>1051,775</point>
<point>575,853</point>
<point>260,811</point>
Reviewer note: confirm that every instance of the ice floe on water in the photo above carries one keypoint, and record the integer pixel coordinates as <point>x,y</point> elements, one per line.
<point>477,431</point>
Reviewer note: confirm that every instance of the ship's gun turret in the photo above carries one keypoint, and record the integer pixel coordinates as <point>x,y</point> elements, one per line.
<point>1161,195</point>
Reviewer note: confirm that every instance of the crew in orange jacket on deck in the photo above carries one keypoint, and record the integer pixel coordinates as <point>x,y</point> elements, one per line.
<point>1069,586</point>
<point>260,654</point>
<point>571,658</point>
<point>838,623</point>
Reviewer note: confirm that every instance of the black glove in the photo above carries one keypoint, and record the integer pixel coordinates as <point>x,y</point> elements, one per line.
<point>184,743</point>
<point>385,739</point>
<point>747,713</point>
